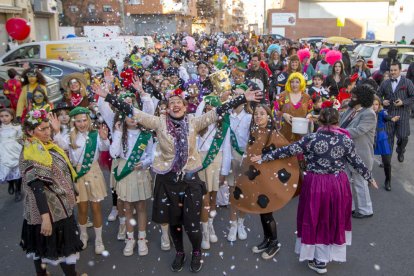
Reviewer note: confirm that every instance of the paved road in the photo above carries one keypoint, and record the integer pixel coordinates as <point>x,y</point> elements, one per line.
<point>382,245</point>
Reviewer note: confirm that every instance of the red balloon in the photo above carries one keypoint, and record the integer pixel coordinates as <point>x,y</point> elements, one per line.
<point>17,28</point>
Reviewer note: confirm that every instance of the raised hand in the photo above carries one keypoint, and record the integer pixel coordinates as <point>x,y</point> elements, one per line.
<point>100,90</point>
<point>253,95</point>
<point>137,84</point>
<point>103,132</point>
<point>54,122</point>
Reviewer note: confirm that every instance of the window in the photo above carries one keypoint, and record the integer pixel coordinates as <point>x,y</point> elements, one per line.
<point>91,8</point>
<point>401,50</point>
<point>135,2</point>
<point>366,52</point>
<point>32,51</point>
<point>107,8</point>
<point>73,8</point>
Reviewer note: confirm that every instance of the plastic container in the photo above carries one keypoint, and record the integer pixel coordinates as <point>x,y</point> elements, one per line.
<point>300,125</point>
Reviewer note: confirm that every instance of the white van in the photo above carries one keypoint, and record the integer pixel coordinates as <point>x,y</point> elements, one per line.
<point>94,52</point>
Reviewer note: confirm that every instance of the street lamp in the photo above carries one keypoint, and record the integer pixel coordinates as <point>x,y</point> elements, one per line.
<point>264,17</point>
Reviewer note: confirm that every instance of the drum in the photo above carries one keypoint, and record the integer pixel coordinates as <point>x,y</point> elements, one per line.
<point>221,82</point>
<point>266,187</point>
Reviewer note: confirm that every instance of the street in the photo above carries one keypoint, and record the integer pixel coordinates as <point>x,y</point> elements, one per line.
<point>382,245</point>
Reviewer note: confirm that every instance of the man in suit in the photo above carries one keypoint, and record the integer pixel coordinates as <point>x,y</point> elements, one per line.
<point>360,120</point>
<point>397,95</point>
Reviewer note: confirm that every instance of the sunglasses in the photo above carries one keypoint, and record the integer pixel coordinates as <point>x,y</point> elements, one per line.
<point>38,96</point>
<point>31,75</point>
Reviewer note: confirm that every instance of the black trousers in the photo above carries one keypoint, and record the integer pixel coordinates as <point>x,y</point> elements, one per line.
<point>269,226</point>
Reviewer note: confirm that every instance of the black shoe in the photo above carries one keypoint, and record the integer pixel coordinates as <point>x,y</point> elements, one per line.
<point>358,215</point>
<point>401,157</point>
<point>353,211</point>
<point>319,267</point>
<point>381,165</point>
<point>271,250</point>
<point>262,246</point>
<point>11,188</point>
<point>18,196</point>
<point>178,263</point>
<point>196,263</point>
<point>387,185</point>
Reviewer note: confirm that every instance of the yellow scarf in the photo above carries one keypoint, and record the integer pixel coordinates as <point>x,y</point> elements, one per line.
<point>36,151</point>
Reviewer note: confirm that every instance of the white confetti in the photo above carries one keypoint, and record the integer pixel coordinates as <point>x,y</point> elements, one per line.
<point>377,267</point>
<point>105,253</point>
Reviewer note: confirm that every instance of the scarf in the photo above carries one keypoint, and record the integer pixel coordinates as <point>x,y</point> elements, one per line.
<point>178,128</point>
<point>76,99</point>
<point>35,150</point>
<point>335,129</point>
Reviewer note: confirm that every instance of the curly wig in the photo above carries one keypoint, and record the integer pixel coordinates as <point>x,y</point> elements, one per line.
<point>365,95</point>
<point>298,76</point>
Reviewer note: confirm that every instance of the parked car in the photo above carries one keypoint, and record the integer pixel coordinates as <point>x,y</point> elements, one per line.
<point>374,53</point>
<point>405,60</point>
<point>316,40</point>
<point>277,36</point>
<point>52,86</point>
<point>54,67</point>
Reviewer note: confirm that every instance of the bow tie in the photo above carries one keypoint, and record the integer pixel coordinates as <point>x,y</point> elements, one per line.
<point>394,80</point>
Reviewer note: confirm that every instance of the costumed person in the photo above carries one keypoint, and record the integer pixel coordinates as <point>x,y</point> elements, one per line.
<point>293,102</point>
<point>62,110</point>
<point>10,148</point>
<point>84,145</point>
<point>178,190</point>
<point>12,88</point>
<point>133,148</point>
<point>349,84</point>
<point>191,87</point>
<point>317,88</point>
<point>336,80</point>
<point>113,67</point>
<point>361,69</point>
<point>239,135</point>
<point>324,211</point>
<point>32,79</point>
<point>258,75</point>
<point>40,100</point>
<point>397,96</point>
<point>205,86</point>
<point>50,233</point>
<point>323,66</point>
<point>307,67</point>
<point>382,146</point>
<point>75,94</point>
<point>263,189</point>
<point>294,66</point>
<point>126,74</point>
<point>214,148</point>
<point>360,121</point>
<point>313,116</point>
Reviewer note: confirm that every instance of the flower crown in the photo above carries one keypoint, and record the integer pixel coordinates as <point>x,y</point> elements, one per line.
<point>36,116</point>
<point>175,92</point>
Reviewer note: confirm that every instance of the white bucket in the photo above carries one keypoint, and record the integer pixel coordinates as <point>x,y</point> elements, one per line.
<point>300,125</point>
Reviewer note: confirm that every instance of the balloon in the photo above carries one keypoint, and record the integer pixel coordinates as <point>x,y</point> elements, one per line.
<point>17,28</point>
<point>190,43</point>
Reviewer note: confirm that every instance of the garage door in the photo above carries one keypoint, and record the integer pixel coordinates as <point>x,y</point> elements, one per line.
<point>3,34</point>
<point>42,28</point>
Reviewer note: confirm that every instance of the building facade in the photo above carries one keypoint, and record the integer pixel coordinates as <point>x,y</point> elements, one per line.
<point>42,15</point>
<point>303,18</point>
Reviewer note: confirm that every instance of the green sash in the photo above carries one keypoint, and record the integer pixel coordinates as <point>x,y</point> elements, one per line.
<point>217,142</point>
<point>89,154</point>
<point>135,156</point>
<point>234,143</point>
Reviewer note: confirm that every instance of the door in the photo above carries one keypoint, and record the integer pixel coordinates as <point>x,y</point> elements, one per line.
<point>42,28</point>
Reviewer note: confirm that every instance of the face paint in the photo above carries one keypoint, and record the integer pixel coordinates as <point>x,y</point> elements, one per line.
<point>38,97</point>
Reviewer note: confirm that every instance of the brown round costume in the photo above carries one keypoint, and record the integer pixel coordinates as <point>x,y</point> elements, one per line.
<point>266,187</point>
<point>301,109</point>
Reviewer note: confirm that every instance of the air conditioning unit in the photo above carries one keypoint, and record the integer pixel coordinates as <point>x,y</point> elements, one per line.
<point>45,6</point>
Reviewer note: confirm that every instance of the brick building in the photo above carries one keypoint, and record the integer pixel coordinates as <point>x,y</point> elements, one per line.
<point>303,18</point>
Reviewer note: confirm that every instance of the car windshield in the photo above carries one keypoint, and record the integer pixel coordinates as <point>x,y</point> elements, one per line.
<point>401,50</point>
<point>366,51</point>
<point>407,58</point>
<point>357,49</point>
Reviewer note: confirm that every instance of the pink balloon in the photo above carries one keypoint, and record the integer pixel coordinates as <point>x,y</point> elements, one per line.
<point>17,28</point>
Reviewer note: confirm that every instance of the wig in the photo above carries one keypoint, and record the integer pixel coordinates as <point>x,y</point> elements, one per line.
<point>303,53</point>
<point>298,76</point>
<point>333,56</point>
<point>365,95</point>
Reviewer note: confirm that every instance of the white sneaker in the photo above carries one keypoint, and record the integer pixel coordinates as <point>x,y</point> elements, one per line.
<point>205,243</point>
<point>129,247</point>
<point>165,243</point>
<point>121,232</point>
<point>84,238</point>
<point>212,233</point>
<point>113,214</point>
<point>99,247</point>
<point>213,213</point>
<point>142,247</point>
<point>241,231</point>
<point>232,236</point>
<point>89,223</point>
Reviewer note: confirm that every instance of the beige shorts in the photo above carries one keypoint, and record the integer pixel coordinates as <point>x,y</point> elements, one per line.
<point>91,186</point>
<point>235,167</point>
<point>211,175</point>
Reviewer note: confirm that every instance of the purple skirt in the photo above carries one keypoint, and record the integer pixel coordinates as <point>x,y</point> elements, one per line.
<point>324,216</point>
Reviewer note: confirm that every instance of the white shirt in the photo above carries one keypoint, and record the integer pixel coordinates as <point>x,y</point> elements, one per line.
<point>76,155</point>
<point>395,83</point>
<point>109,115</point>
<point>240,124</point>
<point>116,149</point>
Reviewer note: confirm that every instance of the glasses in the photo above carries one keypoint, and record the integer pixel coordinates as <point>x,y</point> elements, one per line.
<point>38,96</point>
<point>31,75</point>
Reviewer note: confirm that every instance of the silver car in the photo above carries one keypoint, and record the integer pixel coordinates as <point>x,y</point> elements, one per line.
<point>52,85</point>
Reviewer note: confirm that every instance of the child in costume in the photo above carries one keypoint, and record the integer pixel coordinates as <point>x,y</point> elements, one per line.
<point>40,100</point>
<point>214,148</point>
<point>382,146</point>
<point>84,145</point>
<point>10,134</point>
<point>13,88</point>
<point>317,87</point>
<point>133,147</point>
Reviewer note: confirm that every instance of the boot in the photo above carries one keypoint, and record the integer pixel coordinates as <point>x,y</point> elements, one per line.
<point>205,243</point>
<point>387,184</point>
<point>18,190</point>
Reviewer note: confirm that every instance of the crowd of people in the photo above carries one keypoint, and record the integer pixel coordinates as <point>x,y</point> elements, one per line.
<point>167,130</point>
